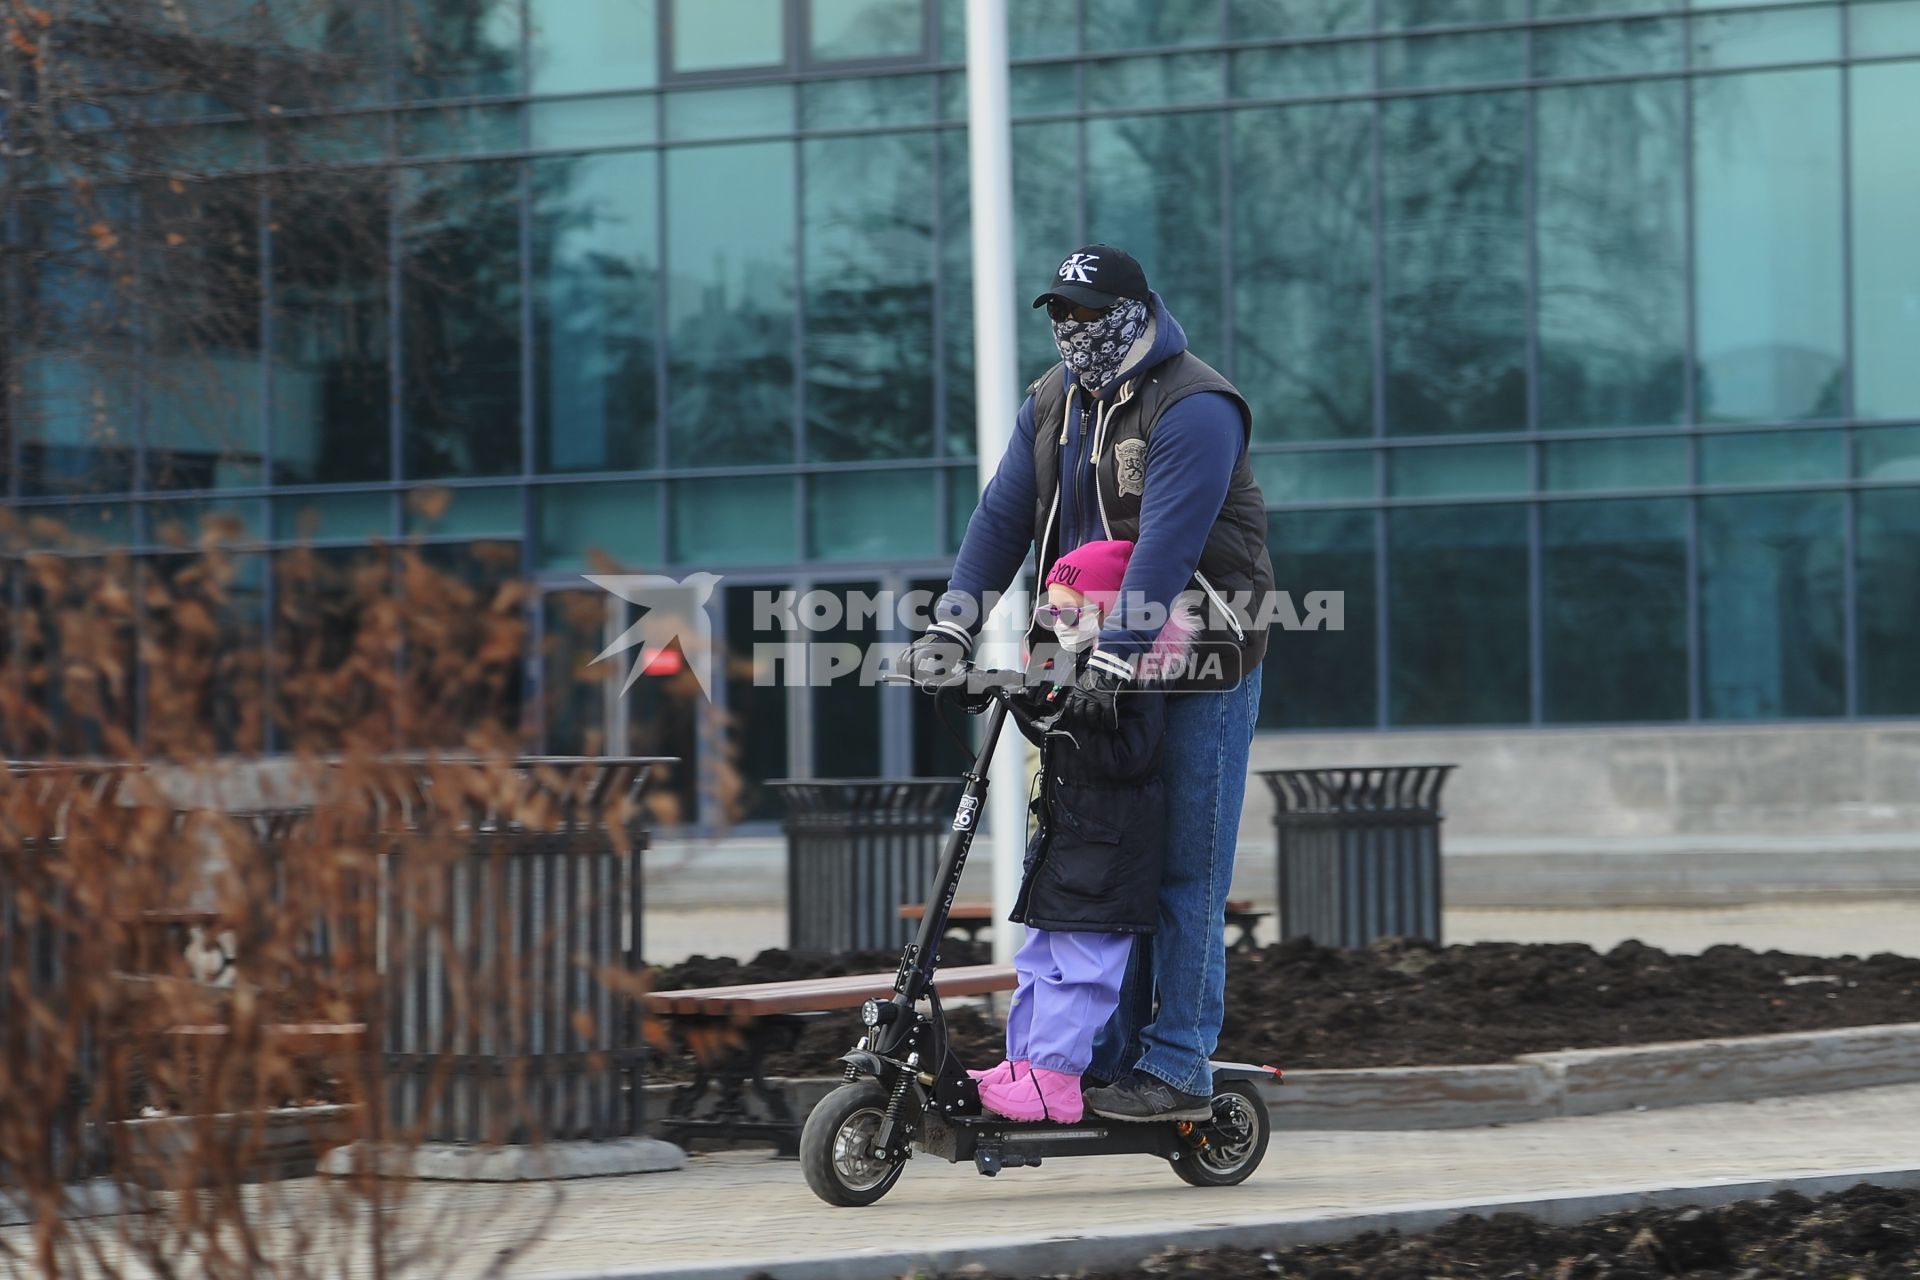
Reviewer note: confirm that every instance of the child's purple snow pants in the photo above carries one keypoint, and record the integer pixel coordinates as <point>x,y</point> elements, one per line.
<point>1069,986</point>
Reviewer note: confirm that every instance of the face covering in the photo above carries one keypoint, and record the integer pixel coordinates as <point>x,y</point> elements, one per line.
<point>1079,637</point>
<point>1095,349</point>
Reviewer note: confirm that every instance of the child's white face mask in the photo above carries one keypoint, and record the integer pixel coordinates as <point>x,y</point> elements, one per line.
<point>1081,635</point>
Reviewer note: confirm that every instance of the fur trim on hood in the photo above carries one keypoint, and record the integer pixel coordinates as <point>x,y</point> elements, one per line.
<point>1167,659</point>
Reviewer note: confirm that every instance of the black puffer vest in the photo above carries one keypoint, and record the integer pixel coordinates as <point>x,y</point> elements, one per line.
<point>1234,570</point>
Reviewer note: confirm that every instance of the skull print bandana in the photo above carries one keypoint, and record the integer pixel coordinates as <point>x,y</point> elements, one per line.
<point>1095,349</point>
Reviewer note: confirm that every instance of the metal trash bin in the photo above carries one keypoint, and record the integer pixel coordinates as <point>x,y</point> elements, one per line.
<point>858,849</point>
<point>1358,852</point>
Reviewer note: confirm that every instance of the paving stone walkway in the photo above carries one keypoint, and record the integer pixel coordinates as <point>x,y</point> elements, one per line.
<point>749,1205</point>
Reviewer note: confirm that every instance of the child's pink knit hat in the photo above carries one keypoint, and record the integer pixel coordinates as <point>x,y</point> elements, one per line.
<point>1095,570</point>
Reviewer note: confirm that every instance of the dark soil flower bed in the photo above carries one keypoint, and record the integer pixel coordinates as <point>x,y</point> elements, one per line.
<point>1867,1233</point>
<point>1402,1003</point>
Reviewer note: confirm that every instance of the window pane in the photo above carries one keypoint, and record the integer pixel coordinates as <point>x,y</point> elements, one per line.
<point>586,46</point>
<point>1889,544</point>
<point>1888,453</point>
<point>705,114</point>
<point>470,512</point>
<point>1046,161</point>
<point>879,100</point>
<point>869,281</point>
<point>181,523</point>
<point>457,131</point>
<point>76,349</point>
<point>733,520</point>
<point>1770,605</point>
<point>1760,38</point>
<point>872,515</point>
<point>1617,464</point>
<point>1300,71</point>
<point>730,292</point>
<point>846,712</point>
<point>580,523</point>
<point>331,330</point>
<point>1322,679</point>
<point>1406,14</point>
<point>1275,19</point>
<point>1612,255</point>
<point>955,333</point>
<point>852,29</point>
<point>1610,48</point>
<point>1767,174</point>
<point>963,495</point>
<point>1302,300</point>
<point>1145,24</point>
<point>1442,60</point>
<point>459,48</point>
<point>757,712</point>
<point>1157,81</point>
<point>1035,28</point>
<point>1614,601</point>
<point>1473,468</point>
<point>460,294</point>
<point>1153,189</point>
<point>1771,456</point>
<point>594,122</point>
<point>1455,264</point>
<point>576,692</point>
<point>1314,477</point>
<point>596,279</point>
<point>716,35</point>
<point>333,516</point>
<point>1885,26</point>
<point>1886,253</point>
<point>201,316</point>
<point>1458,620</point>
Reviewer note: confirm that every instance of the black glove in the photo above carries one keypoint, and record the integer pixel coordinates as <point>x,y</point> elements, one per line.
<point>935,658</point>
<point>1095,700</point>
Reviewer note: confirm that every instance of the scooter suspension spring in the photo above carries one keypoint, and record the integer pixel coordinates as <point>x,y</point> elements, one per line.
<point>899,1097</point>
<point>851,1072</point>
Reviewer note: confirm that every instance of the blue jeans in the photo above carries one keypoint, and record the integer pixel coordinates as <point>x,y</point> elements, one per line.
<point>1204,765</point>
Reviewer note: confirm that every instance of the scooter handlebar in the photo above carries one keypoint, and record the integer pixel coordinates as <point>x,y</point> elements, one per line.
<point>1037,706</point>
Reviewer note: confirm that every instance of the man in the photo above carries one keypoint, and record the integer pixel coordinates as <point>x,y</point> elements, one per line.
<point>1132,437</point>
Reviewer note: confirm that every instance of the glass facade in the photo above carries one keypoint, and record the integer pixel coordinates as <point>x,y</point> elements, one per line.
<point>1580,336</point>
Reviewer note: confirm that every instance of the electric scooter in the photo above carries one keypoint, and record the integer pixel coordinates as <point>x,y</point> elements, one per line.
<point>906,1090</point>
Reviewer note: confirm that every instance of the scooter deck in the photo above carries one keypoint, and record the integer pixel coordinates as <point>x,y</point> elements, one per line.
<point>993,1143</point>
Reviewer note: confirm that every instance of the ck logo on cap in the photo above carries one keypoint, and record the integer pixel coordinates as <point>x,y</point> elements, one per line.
<point>1076,268</point>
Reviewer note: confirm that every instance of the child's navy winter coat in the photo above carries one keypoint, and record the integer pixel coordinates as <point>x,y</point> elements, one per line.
<point>1093,864</point>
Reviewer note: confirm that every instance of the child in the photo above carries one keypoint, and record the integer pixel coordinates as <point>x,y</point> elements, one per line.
<point>1092,867</point>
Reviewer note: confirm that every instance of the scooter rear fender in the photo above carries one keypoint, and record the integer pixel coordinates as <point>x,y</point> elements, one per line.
<point>1246,1071</point>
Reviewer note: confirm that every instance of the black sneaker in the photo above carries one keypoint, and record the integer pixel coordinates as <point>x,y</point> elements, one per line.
<point>1141,1097</point>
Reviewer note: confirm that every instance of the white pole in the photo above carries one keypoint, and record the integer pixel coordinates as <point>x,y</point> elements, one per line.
<point>996,385</point>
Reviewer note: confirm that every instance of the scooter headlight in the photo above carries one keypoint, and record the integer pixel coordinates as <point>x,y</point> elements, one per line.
<point>870,1013</point>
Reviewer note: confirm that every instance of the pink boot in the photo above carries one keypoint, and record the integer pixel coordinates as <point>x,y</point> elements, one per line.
<point>1002,1074</point>
<point>1038,1095</point>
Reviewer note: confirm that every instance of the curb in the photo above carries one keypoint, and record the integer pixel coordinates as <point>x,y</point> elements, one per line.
<point>1573,1082</point>
<point>453,1162</point>
<point>1071,1254</point>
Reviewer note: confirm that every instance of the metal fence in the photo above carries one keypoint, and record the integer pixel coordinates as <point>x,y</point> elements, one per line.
<point>857,851</point>
<point>502,1015</point>
<point>500,926</point>
<point>1358,852</point>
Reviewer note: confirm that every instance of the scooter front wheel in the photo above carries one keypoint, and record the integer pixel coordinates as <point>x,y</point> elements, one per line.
<point>836,1147</point>
<point>1229,1147</point>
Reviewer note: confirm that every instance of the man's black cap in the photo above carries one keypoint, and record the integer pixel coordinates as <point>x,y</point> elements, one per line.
<point>1097,276</point>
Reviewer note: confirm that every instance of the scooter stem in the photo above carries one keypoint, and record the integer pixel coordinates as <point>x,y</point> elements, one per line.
<point>953,861</point>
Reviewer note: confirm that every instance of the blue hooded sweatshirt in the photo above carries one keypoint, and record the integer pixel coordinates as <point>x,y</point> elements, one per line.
<point>1191,456</point>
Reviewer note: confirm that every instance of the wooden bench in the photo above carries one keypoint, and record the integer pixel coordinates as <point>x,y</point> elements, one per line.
<point>976,918</point>
<point>730,1031</point>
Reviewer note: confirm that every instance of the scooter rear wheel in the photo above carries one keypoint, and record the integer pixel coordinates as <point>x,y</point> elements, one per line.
<point>1236,1139</point>
<point>836,1146</point>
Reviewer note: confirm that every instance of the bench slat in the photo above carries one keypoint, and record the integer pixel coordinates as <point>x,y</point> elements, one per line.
<point>810,995</point>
